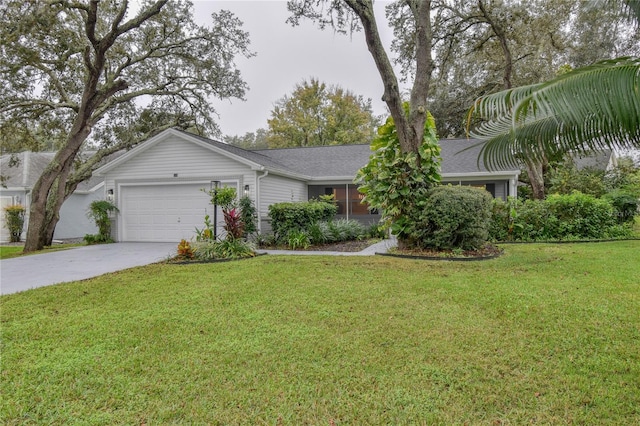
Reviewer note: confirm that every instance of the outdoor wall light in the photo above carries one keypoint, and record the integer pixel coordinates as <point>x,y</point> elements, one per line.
<point>110,195</point>
<point>246,190</point>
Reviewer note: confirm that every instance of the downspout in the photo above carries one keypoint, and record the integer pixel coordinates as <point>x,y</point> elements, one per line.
<point>258,205</point>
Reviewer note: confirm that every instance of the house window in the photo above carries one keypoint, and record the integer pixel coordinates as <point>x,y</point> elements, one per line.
<point>347,196</point>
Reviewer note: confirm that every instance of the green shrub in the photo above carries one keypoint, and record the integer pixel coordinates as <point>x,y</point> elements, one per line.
<point>249,215</point>
<point>625,203</point>
<point>336,231</point>
<point>501,224</point>
<point>559,217</point>
<point>99,211</point>
<point>318,233</point>
<point>581,216</point>
<point>97,239</point>
<point>14,219</point>
<point>225,197</point>
<point>377,230</point>
<point>298,216</point>
<point>535,222</point>
<point>453,217</point>
<point>223,249</point>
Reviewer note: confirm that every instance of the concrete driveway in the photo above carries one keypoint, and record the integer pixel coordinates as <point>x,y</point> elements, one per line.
<point>38,270</point>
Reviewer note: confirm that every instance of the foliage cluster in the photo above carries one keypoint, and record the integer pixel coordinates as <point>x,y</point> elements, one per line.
<point>398,183</point>
<point>185,251</point>
<point>559,217</point>
<point>336,231</point>
<point>239,221</point>
<point>248,215</point>
<point>315,115</point>
<point>453,217</point>
<point>228,248</point>
<point>298,216</point>
<point>14,219</point>
<point>239,216</point>
<point>99,212</point>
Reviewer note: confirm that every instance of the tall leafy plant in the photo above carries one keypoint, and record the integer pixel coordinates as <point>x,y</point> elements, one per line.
<point>226,198</point>
<point>14,219</point>
<point>397,182</point>
<point>99,212</point>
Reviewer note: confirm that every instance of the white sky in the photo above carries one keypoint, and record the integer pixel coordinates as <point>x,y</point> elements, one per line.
<point>288,55</point>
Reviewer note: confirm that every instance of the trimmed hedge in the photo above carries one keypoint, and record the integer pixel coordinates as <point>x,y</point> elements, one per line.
<point>298,216</point>
<point>559,217</point>
<point>454,217</point>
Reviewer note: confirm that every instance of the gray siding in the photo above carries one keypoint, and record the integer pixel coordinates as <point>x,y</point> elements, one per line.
<point>278,189</point>
<point>176,160</point>
<point>74,222</point>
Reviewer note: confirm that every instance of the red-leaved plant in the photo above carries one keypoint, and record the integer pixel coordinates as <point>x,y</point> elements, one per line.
<point>233,223</point>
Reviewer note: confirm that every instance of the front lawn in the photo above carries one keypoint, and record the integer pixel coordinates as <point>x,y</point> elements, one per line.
<point>7,252</point>
<point>546,334</point>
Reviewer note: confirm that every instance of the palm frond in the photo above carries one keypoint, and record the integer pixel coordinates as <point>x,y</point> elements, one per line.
<point>587,109</point>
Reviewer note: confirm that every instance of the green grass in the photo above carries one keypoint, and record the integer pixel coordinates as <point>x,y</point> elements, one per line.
<point>7,252</point>
<point>547,334</point>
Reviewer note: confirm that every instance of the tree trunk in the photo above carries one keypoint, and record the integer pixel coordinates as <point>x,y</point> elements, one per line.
<point>49,193</point>
<point>535,170</point>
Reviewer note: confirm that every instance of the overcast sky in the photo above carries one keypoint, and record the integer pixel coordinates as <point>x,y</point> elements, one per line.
<point>287,55</point>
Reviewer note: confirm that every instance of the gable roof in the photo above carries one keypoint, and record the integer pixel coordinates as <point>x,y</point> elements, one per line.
<point>23,169</point>
<point>602,160</point>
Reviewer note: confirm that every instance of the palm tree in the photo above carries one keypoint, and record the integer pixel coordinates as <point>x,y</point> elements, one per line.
<point>586,109</point>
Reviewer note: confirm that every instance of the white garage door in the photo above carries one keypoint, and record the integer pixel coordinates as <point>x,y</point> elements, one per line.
<point>163,213</point>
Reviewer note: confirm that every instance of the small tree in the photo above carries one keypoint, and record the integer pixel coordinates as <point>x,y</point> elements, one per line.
<point>14,218</point>
<point>99,211</point>
<point>249,216</point>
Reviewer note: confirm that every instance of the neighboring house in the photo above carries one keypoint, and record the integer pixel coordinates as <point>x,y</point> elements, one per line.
<point>604,160</point>
<point>22,171</point>
<point>160,185</point>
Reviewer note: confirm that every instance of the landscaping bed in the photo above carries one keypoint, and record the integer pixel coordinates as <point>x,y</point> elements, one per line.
<point>487,252</point>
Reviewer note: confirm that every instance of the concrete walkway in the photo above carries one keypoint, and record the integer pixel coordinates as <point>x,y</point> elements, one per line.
<point>78,263</point>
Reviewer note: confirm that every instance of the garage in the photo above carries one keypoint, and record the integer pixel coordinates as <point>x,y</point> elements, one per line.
<point>163,213</point>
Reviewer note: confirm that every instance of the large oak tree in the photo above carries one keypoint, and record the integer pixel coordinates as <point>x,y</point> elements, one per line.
<point>90,71</point>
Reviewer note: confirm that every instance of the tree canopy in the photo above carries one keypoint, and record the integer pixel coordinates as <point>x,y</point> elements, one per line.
<point>584,109</point>
<point>317,114</point>
<point>87,72</point>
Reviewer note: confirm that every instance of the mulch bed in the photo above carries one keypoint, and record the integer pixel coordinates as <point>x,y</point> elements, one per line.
<point>489,251</point>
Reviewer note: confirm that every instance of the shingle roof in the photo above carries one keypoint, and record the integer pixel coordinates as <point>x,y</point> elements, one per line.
<point>23,169</point>
<point>596,160</point>
<point>459,156</point>
<point>322,161</point>
<point>254,156</point>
